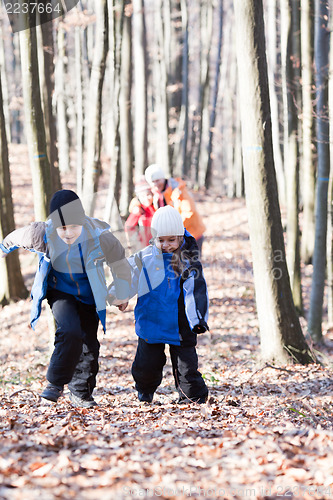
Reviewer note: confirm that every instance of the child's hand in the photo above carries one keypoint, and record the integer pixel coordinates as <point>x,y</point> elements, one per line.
<point>122,307</point>
<point>199,329</point>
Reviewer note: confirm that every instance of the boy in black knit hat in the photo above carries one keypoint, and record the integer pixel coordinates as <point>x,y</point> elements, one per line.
<point>72,248</point>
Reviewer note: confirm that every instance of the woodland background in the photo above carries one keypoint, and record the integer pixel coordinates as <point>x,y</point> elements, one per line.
<point>87,102</point>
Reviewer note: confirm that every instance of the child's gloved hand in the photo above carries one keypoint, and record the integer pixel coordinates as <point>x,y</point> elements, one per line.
<point>199,328</point>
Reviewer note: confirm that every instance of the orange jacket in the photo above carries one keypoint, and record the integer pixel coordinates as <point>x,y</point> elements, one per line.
<point>182,200</point>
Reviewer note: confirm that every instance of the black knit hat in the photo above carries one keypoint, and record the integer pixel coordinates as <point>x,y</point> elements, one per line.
<point>66,209</point>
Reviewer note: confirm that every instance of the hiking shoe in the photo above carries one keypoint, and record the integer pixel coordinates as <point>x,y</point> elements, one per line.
<point>185,401</point>
<point>145,397</point>
<point>52,392</point>
<point>82,402</point>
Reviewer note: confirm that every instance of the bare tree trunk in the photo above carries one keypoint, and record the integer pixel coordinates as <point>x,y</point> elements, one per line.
<point>175,54</point>
<point>228,89</point>
<point>94,134</point>
<point>274,72</point>
<point>208,176</point>
<point>330,245</point>
<point>17,129</point>
<point>125,123</point>
<point>60,86</point>
<point>4,79</point>
<point>46,75</point>
<point>180,159</point>
<point>11,281</point>
<point>237,158</point>
<point>308,170</point>
<point>79,109</point>
<point>34,122</point>
<point>290,48</point>
<point>319,255</point>
<point>116,16</point>
<point>140,86</point>
<point>280,329</point>
<point>330,192</point>
<point>162,122</point>
<point>206,33</point>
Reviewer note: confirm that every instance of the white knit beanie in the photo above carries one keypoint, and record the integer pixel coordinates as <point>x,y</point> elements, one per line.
<point>154,173</point>
<point>167,221</point>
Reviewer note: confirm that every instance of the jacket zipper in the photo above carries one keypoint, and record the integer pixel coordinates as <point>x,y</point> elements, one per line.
<point>70,272</point>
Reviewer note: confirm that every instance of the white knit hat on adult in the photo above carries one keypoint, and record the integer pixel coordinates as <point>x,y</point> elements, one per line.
<point>167,221</point>
<point>154,173</point>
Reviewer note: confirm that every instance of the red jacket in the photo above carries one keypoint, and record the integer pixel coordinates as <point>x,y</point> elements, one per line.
<point>137,226</point>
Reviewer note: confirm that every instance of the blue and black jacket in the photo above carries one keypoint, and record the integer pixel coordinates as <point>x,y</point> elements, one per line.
<point>171,307</point>
<point>98,246</point>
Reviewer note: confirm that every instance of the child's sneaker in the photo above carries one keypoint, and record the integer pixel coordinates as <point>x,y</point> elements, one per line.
<point>145,397</point>
<point>81,402</point>
<point>52,392</point>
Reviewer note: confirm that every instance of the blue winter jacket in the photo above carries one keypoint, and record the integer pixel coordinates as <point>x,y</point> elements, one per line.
<point>102,245</point>
<point>159,289</point>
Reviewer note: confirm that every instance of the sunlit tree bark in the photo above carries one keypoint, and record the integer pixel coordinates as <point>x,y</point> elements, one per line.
<point>280,330</point>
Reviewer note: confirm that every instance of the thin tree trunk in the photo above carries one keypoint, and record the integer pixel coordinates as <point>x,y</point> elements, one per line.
<point>60,84</point>
<point>175,55</point>
<point>79,110</point>
<point>274,78</point>
<point>308,170</point>
<point>330,248</point>
<point>125,123</point>
<point>330,192</point>
<point>47,86</point>
<point>140,85</point>
<point>180,150</point>
<point>162,122</point>
<point>94,133</point>
<point>208,176</point>
<point>116,16</point>
<point>11,281</point>
<point>319,255</point>
<point>34,121</point>
<point>4,79</point>
<point>17,129</point>
<point>206,33</point>
<point>280,329</point>
<point>290,69</point>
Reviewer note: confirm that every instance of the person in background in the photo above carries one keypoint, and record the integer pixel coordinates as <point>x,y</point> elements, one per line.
<point>137,226</point>
<point>71,248</point>
<point>173,191</point>
<point>172,308</point>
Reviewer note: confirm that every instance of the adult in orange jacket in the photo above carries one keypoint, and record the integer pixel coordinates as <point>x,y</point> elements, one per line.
<point>173,191</point>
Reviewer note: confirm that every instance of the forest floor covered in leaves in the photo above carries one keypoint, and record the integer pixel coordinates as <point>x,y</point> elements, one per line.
<point>266,431</point>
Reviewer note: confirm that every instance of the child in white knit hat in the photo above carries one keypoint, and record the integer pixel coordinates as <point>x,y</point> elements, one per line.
<point>172,308</point>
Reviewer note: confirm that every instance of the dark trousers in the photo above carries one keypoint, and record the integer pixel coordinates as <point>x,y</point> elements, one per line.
<point>147,370</point>
<point>76,349</point>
